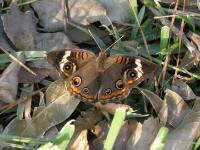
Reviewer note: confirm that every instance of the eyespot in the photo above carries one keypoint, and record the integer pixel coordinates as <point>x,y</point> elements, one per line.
<point>119,84</point>
<point>76,81</point>
<point>131,74</point>
<point>86,90</point>
<point>108,91</point>
<point>68,67</point>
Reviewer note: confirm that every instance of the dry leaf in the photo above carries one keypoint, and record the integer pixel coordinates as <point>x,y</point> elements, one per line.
<point>80,37</point>
<point>52,18</point>
<point>87,121</point>
<point>144,135</point>
<point>9,82</point>
<point>50,134</point>
<point>186,133</point>
<point>53,41</point>
<point>110,107</point>
<point>86,11</point>
<point>54,113</point>
<point>4,41</point>
<point>157,103</point>
<point>183,90</point>
<point>117,10</point>
<point>177,108</point>
<point>81,143</point>
<point>100,131</point>
<point>25,77</point>
<point>20,28</point>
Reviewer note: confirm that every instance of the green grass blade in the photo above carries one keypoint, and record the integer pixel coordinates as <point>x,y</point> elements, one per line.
<point>197,144</point>
<point>160,139</point>
<point>62,139</point>
<point>164,37</point>
<point>118,119</point>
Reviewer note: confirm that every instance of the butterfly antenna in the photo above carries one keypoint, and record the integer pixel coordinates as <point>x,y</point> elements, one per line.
<point>94,39</point>
<point>114,43</point>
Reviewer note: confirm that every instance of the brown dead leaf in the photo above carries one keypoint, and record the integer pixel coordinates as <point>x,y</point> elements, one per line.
<point>101,131</point>
<point>5,43</point>
<point>81,11</point>
<point>110,107</point>
<point>144,134</point>
<point>156,101</point>
<point>87,121</point>
<point>20,27</point>
<point>54,113</point>
<point>177,108</point>
<point>117,11</point>
<point>53,41</point>
<point>86,11</point>
<point>186,133</point>
<point>80,37</point>
<point>25,77</point>
<point>183,90</point>
<point>9,82</point>
<point>81,142</point>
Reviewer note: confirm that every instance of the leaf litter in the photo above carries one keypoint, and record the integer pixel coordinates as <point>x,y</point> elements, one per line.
<point>175,106</point>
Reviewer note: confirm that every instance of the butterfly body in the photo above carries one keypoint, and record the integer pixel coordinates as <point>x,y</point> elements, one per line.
<point>100,78</point>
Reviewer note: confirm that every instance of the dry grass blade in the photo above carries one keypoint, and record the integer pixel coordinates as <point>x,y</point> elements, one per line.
<point>19,62</point>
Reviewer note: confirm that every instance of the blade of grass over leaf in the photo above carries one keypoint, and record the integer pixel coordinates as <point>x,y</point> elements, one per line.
<point>62,139</point>
<point>197,144</point>
<point>118,119</point>
<point>160,139</point>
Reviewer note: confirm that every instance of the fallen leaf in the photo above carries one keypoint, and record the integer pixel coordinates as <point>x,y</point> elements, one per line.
<point>185,134</point>
<point>52,18</point>
<point>9,82</point>
<point>77,36</point>
<point>86,11</point>
<point>5,43</point>
<point>154,99</point>
<point>100,131</point>
<point>144,134</point>
<point>117,11</point>
<point>54,113</point>
<point>53,41</point>
<point>25,77</point>
<point>81,142</point>
<point>110,107</point>
<point>55,90</point>
<point>183,90</point>
<point>20,27</point>
<point>84,122</point>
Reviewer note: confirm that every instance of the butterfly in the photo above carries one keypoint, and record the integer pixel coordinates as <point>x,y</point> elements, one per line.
<point>101,78</point>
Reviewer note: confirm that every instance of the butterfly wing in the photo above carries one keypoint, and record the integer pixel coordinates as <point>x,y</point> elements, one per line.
<point>67,61</point>
<point>121,74</point>
<point>78,67</point>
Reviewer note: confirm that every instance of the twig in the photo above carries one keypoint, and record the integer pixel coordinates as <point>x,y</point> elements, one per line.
<point>19,62</point>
